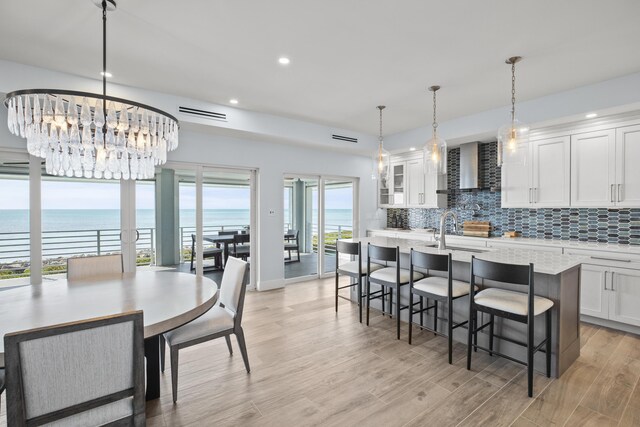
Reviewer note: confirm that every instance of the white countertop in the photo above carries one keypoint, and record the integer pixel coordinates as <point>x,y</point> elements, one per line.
<point>544,262</point>
<point>571,244</point>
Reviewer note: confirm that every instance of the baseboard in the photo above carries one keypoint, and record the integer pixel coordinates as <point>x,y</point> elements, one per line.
<point>611,324</point>
<point>268,285</point>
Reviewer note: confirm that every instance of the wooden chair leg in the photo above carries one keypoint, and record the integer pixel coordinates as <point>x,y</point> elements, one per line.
<point>243,348</point>
<point>548,345</point>
<point>410,314</point>
<point>174,372</point>
<point>163,346</point>
<point>228,340</point>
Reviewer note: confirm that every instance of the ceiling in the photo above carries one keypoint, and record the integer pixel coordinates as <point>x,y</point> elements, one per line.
<point>347,57</point>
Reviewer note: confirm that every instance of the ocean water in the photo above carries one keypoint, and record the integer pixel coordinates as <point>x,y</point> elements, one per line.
<point>17,220</point>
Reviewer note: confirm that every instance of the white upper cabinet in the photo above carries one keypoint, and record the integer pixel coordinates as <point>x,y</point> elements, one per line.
<point>415,180</point>
<point>398,181</point>
<point>627,167</point>
<point>544,181</point>
<point>593,165</point>
<point>551,172</point>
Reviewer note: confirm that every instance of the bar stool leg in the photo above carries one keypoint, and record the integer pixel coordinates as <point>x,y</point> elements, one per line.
<point>398,310</point>
<point>530,358</point>
<point>435,318</point>
<point>548,346</point>
<point>360,297</point>
<point>422,311</point>
<point>450,328</point>
<point>491,334</point>
<point>471,325</point>
<point>336,291</point>
<point>390,303</point>
<point>410,314</point>
<point>368,298</point>
<point>382,298</point>
<point>475,333</point>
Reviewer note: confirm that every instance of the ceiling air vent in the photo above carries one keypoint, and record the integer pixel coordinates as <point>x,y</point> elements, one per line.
<point>344,138</point>
<point>203,113</point>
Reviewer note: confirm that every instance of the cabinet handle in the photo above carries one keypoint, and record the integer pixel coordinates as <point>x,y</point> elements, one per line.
<point>619,192</point>
<point>610,259</point>
<point>529,194</point>
<point>605,281</point>
<point>612,288</point>
<point>612,192</point>
<point>535,195</point>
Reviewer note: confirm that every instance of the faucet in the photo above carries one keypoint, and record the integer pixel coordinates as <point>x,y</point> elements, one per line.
<point>442,244</point>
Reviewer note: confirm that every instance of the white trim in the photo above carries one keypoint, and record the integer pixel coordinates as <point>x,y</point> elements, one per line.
<point>199,243</point>
<point>269,285</point>
<point>35,220</point>
<point>610,324</point>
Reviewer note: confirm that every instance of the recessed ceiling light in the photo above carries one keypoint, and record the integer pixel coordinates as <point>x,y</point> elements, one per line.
<point>591,115</point>
<point>106,74</point>
<point>233,101</point>
<point>283,60</point>
<point>412,148</point>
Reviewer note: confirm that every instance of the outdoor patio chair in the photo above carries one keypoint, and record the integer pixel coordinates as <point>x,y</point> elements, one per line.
<point>207,253</point>
<point>292,243</point>
<point>241,247</point>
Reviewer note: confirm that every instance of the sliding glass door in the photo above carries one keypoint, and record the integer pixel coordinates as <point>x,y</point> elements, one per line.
<point>301,226</point>
<point>338,217</point>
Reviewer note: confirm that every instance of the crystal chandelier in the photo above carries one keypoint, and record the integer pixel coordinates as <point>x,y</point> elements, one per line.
<point>513,137</point>
<point>381,158</point>
<point>92,135</point>
<point>435,150</point>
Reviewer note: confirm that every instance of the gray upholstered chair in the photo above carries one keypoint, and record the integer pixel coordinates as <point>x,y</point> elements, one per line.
<point>221,321</point>
<point>88,267</point>
<point>83,373</point>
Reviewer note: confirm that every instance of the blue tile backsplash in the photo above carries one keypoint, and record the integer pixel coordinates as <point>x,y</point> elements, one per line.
<point>584,224</point>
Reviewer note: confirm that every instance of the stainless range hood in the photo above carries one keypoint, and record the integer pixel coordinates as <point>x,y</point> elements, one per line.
<point>469,168</point>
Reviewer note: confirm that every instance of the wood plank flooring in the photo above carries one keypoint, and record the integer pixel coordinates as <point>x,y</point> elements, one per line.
<point>313,367</point>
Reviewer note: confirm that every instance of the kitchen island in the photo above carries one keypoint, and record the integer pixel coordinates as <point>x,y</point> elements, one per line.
<point>557,277</point>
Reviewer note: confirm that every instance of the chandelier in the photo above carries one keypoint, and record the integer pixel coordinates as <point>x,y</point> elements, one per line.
<point>381,158</point>
<point>81,134</point>
<point>513,137</point>
<point>435,150</point>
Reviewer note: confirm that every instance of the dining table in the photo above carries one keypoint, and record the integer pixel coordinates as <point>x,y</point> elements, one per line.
<point>168,300</point>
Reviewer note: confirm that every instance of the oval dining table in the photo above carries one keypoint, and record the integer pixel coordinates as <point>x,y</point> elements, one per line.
<point>168,299</point>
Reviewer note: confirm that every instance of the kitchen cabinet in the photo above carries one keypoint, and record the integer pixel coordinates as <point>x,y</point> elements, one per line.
<point>593,165</point>
<point>409,187</point>
<point>544,181</point>
<point>610,293</point>
<point>603,172</point>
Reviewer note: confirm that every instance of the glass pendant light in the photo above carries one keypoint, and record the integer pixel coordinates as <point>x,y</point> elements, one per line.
<point>435,151</point>
<point>513,137</point>
<point>382,158</point>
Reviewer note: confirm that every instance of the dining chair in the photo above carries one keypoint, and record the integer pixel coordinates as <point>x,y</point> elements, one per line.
<point>392,278</point>
<point>221,321</point>
<point>438,289</point>
<point>241,247</point>
<point>522,307</point>
<point>292,243</point>
<point>89,372</point>
<point>207,253</point>
<point>353,269</point>
<point>89,267</point>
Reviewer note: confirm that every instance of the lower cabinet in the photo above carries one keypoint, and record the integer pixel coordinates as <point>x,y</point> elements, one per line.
<point>610,293</point>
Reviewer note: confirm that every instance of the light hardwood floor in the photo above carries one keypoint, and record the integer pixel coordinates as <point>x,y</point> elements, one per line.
<point>313,367</point>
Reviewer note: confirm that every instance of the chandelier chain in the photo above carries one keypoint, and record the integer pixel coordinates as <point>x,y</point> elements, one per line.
<point>380,136</point>
<point>435,122</point>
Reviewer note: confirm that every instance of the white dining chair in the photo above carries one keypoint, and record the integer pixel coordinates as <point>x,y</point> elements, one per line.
<point>88,267</point>
<point>221,321</point>
<point>85,373</point>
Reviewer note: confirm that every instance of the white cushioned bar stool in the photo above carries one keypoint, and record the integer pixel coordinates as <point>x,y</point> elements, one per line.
<point>518,306</point>
<point>387,277</point>
<point>356,269</point>
<point>438,289</point>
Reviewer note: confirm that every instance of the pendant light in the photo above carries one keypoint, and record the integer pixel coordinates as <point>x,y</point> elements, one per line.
<point>435,151</point>
<point>513,137</point>
<point>382,158</point>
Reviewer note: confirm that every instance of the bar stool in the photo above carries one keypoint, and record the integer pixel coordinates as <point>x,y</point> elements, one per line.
<point>388,277</point>
<point>356,269</point>
<point>438,289</point>
<point>519,306</point>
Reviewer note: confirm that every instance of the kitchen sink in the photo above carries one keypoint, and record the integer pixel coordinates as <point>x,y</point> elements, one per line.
<point>474,250</point>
